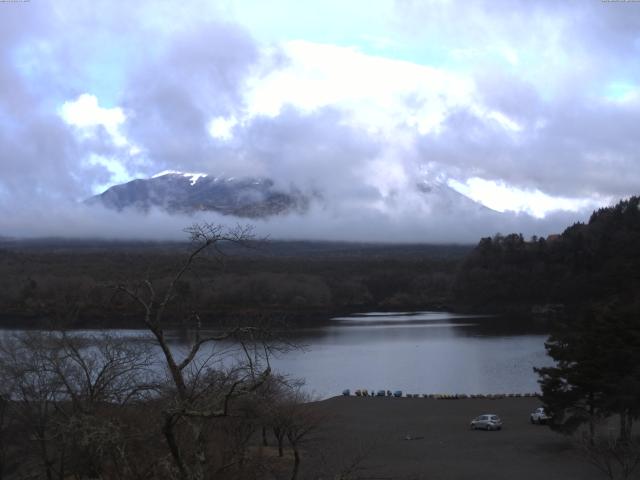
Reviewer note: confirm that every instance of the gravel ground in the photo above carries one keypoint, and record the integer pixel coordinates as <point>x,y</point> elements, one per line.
<point>416,438</point>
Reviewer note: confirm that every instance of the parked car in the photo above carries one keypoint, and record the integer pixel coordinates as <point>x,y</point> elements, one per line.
<point>488,421</point>
<point>539,416</point>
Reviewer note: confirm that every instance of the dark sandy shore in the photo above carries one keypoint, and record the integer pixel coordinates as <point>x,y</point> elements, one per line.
<point>442,446</point>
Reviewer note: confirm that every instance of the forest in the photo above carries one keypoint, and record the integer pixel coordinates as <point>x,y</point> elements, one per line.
<point>54,281</point>
<point>588,262</point>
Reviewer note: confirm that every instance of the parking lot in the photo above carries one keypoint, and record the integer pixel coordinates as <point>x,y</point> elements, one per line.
<point>417,438</point>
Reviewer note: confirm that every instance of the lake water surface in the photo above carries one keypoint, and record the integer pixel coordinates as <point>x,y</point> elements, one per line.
<point>416,352</point>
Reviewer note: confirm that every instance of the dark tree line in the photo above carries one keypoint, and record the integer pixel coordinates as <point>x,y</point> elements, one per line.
<point>312,281</point>
<point>595,261</point>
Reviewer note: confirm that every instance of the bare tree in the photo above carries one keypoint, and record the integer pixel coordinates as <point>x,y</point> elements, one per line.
<point>33,392</point>
<point>290,418</point>
<point>98,369</point>
<point>98,374</point>
<point>200,389</point>
<point>58,388</point>
<point>99,406</point>
<point>614,457</point>
<point>303,423</point>
<point>274,395</point>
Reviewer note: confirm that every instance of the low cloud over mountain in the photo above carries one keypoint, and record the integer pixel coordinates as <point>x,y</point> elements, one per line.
<point>187,193</point>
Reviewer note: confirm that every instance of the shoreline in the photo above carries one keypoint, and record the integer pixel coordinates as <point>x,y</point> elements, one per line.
<point>130,321</point>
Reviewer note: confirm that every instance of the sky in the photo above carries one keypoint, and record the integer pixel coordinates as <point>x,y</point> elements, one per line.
<point>529,108</point>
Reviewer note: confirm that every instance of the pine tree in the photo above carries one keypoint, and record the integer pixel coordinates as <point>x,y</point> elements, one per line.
<point>597,371</point>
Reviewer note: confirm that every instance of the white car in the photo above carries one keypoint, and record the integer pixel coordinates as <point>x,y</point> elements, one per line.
<point>539,416</point>
<point>488,421</point>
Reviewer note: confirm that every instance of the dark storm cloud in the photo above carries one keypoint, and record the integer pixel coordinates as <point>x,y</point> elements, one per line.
<point>316,151</point>
<point>564,149</point>
<point>173,98</point>
<point>37,149</point>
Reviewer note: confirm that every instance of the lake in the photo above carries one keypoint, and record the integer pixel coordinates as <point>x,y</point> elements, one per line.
<point>416,352</point>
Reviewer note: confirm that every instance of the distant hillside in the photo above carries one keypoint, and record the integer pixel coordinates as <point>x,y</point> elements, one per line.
<point>587,262</point>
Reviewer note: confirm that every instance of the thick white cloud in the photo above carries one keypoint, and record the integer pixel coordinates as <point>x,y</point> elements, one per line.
<point>503,198</point>
<point>86,114</point>
<point>352,223</point>
<point>377,93</point>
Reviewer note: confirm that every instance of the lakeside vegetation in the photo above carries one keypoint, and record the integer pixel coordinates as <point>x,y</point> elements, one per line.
<point>597,261</point>
<point>297,281</point>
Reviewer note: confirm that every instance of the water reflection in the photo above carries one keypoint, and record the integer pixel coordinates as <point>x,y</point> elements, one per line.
<point>417,352</point>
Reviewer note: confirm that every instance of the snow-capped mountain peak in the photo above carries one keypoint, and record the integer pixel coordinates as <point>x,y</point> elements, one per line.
<point>253,197</point>
<point>183,192</point>
<point>193,177</point>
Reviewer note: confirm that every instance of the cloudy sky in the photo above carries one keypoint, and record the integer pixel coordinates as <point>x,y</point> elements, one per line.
<point>530,108</point>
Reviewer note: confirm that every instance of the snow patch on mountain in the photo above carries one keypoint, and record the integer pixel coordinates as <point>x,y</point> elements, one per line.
<point>187,193</point>
<point>193,177</point>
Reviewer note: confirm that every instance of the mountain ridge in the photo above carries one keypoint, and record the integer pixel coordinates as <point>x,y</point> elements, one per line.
<point>248,197</point>
<point>178,192</point>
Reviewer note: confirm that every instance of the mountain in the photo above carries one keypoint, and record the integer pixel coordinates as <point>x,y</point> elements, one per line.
<point>178,192</point>
<point>441,196</point>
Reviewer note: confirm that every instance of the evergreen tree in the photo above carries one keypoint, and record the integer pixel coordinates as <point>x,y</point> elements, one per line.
<point>597,260</point>
<point>573,390</point>
<point>597,371</point>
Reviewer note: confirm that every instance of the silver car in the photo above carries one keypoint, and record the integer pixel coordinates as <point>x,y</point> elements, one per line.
<point>487,421</point>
